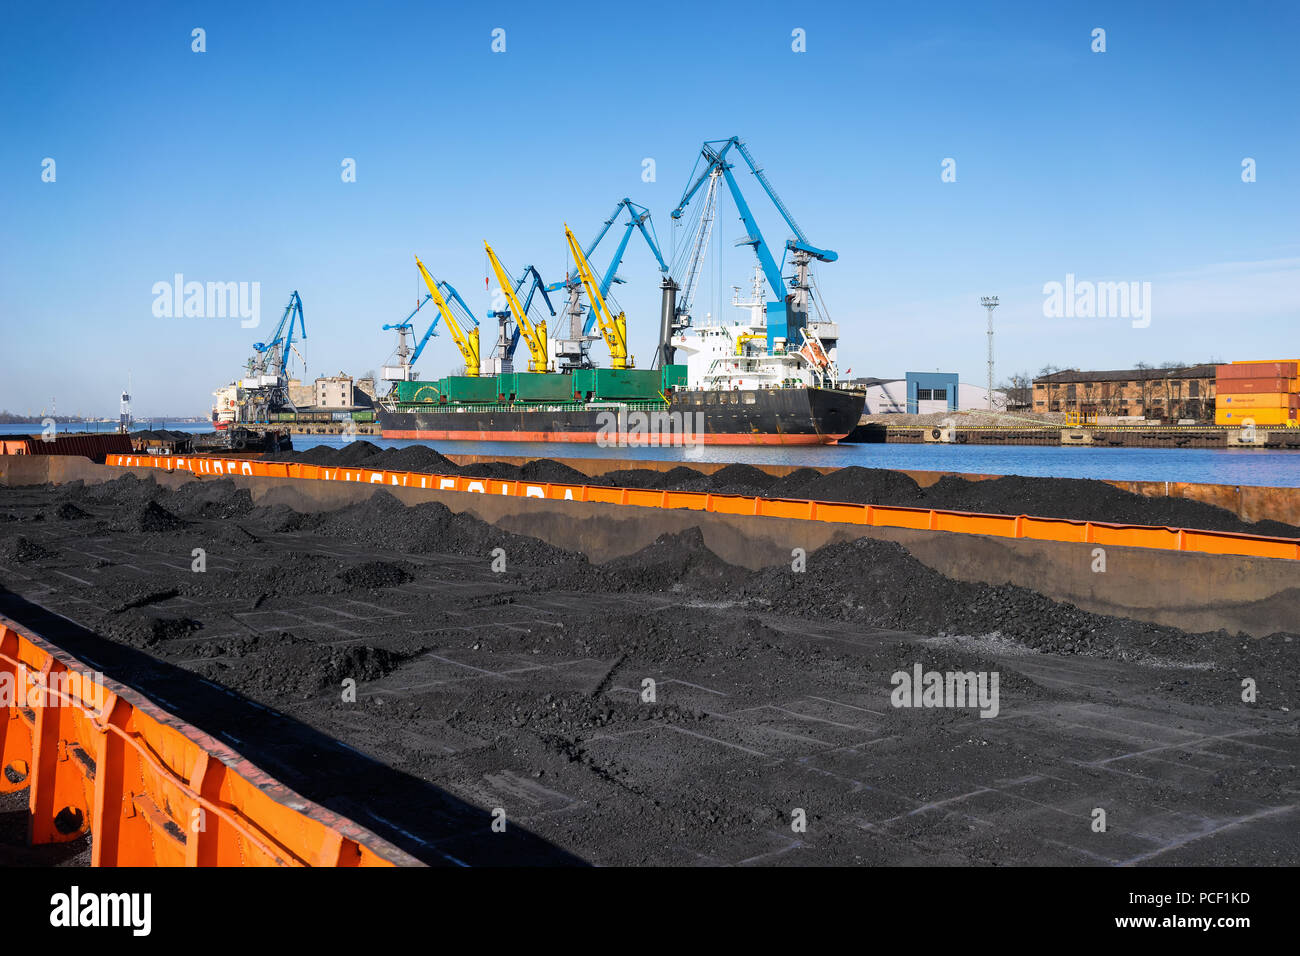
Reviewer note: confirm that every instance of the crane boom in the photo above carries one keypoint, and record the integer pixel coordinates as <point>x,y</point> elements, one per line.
<point>534,335</point>
<point>788,313</point>
<point>613,328</point>
<point>467,342</point>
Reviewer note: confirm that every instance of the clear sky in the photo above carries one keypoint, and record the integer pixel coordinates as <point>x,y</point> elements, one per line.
<point>225,166</point>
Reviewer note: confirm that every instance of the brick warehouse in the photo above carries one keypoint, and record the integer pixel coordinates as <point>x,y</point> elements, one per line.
<point>1167,394</point>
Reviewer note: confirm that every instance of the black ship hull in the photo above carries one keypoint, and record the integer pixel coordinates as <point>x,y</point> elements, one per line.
<point>786,416</point>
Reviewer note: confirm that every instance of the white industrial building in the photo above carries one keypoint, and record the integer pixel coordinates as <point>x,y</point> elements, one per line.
<point>891,396</point>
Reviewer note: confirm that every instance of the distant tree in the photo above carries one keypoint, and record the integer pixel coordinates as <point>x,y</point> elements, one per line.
<point>1018,388</point>
<point>1144,384</point>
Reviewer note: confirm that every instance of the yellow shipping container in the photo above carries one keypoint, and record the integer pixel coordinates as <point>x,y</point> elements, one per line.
<point>1254,400</point>
<point>1261,416</point>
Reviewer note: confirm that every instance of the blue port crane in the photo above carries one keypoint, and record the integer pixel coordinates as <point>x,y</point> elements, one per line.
<point>273,357</point>
<point>266,386</point>
<point>407,356</point>
<point>788,313</point>
<point>508,337</point>
<point>638,220</point>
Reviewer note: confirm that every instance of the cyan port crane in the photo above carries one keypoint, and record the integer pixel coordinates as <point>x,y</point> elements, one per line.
<point>273,357</point>
<point>266,386</point>
<point>789,313</point>
<point>638,220</point>
<point>508,338</point>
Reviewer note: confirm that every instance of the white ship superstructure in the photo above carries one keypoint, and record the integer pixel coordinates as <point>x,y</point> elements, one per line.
<point>735,356</point>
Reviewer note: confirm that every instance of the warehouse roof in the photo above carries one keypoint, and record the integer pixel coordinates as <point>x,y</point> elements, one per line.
<point>1127,374</point>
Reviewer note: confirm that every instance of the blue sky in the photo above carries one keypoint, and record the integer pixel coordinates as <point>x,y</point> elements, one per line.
<point>225,166</point>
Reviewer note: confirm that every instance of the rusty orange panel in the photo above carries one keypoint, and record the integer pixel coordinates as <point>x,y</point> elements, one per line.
<point>1053,529</point>
<point>840,512</point>
<point>152,790</point>
<point>888,516</point>
<point>1240,544</point>
<point>733,504</point>
<point>644,497</point>
<point>612,496</point>
<point>1136,536</point>
<point>1001,525</point>
<point>690,500</point>
<point>783,508</point>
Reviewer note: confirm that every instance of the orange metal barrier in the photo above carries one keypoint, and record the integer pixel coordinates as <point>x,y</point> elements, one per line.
<point>151,789</point>
<point>881,516</point>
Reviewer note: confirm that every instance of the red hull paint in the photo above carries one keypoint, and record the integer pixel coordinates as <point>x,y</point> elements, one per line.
<point>590,437</point>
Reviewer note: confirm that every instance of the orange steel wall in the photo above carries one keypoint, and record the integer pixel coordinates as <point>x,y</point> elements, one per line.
<point>148,787</point>
<point>1007,526</point>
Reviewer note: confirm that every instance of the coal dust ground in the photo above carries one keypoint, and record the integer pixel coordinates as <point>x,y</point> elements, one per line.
<point>770,736</point>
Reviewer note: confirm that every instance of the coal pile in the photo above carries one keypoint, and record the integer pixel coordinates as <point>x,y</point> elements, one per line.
<point>26,551</point>
<point>879,583</point>
<point>153,517</point>
<point>70,512</point>
<point>1072,498</point>
<point>1088,500</point>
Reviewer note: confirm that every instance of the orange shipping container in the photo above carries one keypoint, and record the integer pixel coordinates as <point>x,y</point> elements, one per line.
<point>1254,386</point>
<point>1287,369</point>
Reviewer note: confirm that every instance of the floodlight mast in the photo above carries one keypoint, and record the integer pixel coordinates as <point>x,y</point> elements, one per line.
<point>990,302</point>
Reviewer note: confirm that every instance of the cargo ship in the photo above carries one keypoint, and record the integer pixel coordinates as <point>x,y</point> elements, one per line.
<point>768,379</point>
<point>732,390</point>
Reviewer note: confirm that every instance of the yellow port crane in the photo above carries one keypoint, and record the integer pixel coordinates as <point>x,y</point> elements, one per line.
<point>467,342</point>
<point>612,327</point>
<point>534,335</point>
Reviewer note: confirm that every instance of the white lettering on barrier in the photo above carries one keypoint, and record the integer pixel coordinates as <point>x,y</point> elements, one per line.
<point>534,491</point>
<point>476,486</point>
<point>568,494</point>
<point>447,483</point>
<point>248,468</point>
<point>377,476</point>
<point>216,468</point>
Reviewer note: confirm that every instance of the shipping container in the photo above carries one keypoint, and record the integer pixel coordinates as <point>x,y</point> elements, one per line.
<point>617,384</point>
<point>1269,400</point>
<point>408,392</point>
<point>1254,386</point>
<point>537,387</point>
<point>1260,416</point>
<point>1274,369</point>
<point>674,376</point>
<point>465,389</point>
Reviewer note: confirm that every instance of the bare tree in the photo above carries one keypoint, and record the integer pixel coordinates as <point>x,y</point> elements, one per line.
<point>1018,389</point>
<point>1144,384</point>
